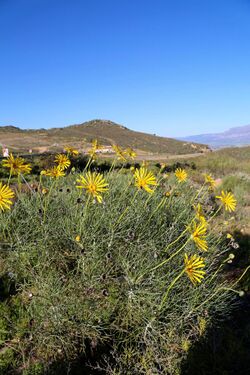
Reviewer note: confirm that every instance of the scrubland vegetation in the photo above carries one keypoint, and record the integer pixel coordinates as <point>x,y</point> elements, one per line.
<point>122,267</point>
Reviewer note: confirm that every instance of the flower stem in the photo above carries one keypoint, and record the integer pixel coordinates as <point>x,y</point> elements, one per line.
<point>148,199</point>
<point>222,288</point>
<point>47,200</point>
<point>27,184</point>
<point>169,288</point>
<point>218,269</point>
<point>163,200</point>
<point>85,213</point>
<point>198,193</point>
<point>112,167</point>
<point>215,214</point>
<point>19,183</point>
<point>8,183</point>
<point>171,257</point>
<point>126,209</point>
<point>88,163</point>
<point>177,239</point>
<point>128,186</point>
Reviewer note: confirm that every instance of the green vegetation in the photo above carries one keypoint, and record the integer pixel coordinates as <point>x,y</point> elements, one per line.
<point>81,286</point>
<point>232,169</point>
<point>225,161</point>
<point>79,278</point>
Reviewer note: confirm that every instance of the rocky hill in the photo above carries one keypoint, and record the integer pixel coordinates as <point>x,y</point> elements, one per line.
<point>80,136</point>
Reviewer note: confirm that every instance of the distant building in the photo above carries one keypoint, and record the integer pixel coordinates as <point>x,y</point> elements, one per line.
<point>106,150</point>
<point>5,152</point>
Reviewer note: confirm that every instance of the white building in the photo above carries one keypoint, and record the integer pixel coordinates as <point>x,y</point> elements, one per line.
<point>5,152</point>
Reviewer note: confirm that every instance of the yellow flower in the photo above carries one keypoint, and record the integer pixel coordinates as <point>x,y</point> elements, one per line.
<point>144,179</point>
<point>198,235</point>
<point>16,165</point>
<point>131,153</point>
<point>163,166</point>
<point>71,151</point>
<point>45,191</point>
<point>119,153</point>
<point>5,197</point>
<point>181,175</point>
<point>210,181</point>
<point>54,172</point>
<point>95,146</point>
<point>227,200</point>
<point>78,238</point>
<point>199,213</point>
<point>193,267</point>
<point>25,168</point>
<point>145,164</point>
<point>94,184</point>
<point>63,161</point>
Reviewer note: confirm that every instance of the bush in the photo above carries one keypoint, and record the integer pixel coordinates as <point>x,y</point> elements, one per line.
<point>86,279</point>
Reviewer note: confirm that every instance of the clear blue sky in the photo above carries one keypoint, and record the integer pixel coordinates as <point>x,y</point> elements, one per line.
<point>172,68</point>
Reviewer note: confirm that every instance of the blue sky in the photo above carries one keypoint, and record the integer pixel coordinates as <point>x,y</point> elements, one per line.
<point>172,68</point>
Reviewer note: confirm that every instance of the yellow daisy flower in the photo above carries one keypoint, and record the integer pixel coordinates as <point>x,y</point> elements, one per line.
<point>16,165</point>
<point>62,161</point>
<point>71,151</point>
<point>5,197</point>
<point>54,172</point>
<point>228,200</point>
<point>144,179</point>
<point>210,181</point>
<point>181,175</point>
<point>131,153</point>
<point>198,235</point>
<point>94,184</point>
<point>25,168</point>
<point>193,267</point>
<point>119,153</point>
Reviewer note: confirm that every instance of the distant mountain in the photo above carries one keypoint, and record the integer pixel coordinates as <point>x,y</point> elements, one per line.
<point>80,136</point>
<point>239,136</point>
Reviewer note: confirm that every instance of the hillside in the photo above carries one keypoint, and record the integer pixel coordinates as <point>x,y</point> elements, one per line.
<point>80,136</point>
<point>238,136</point>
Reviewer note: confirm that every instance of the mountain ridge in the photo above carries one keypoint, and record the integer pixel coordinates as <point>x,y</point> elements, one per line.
<point>235,136</point>
<point>81,135</point>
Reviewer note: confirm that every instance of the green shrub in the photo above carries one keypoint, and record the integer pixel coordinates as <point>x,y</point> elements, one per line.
<point>100,295</point>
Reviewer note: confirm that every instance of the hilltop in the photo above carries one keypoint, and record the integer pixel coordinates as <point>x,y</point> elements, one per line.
<point>80,136</point>
<point>237,136</point>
